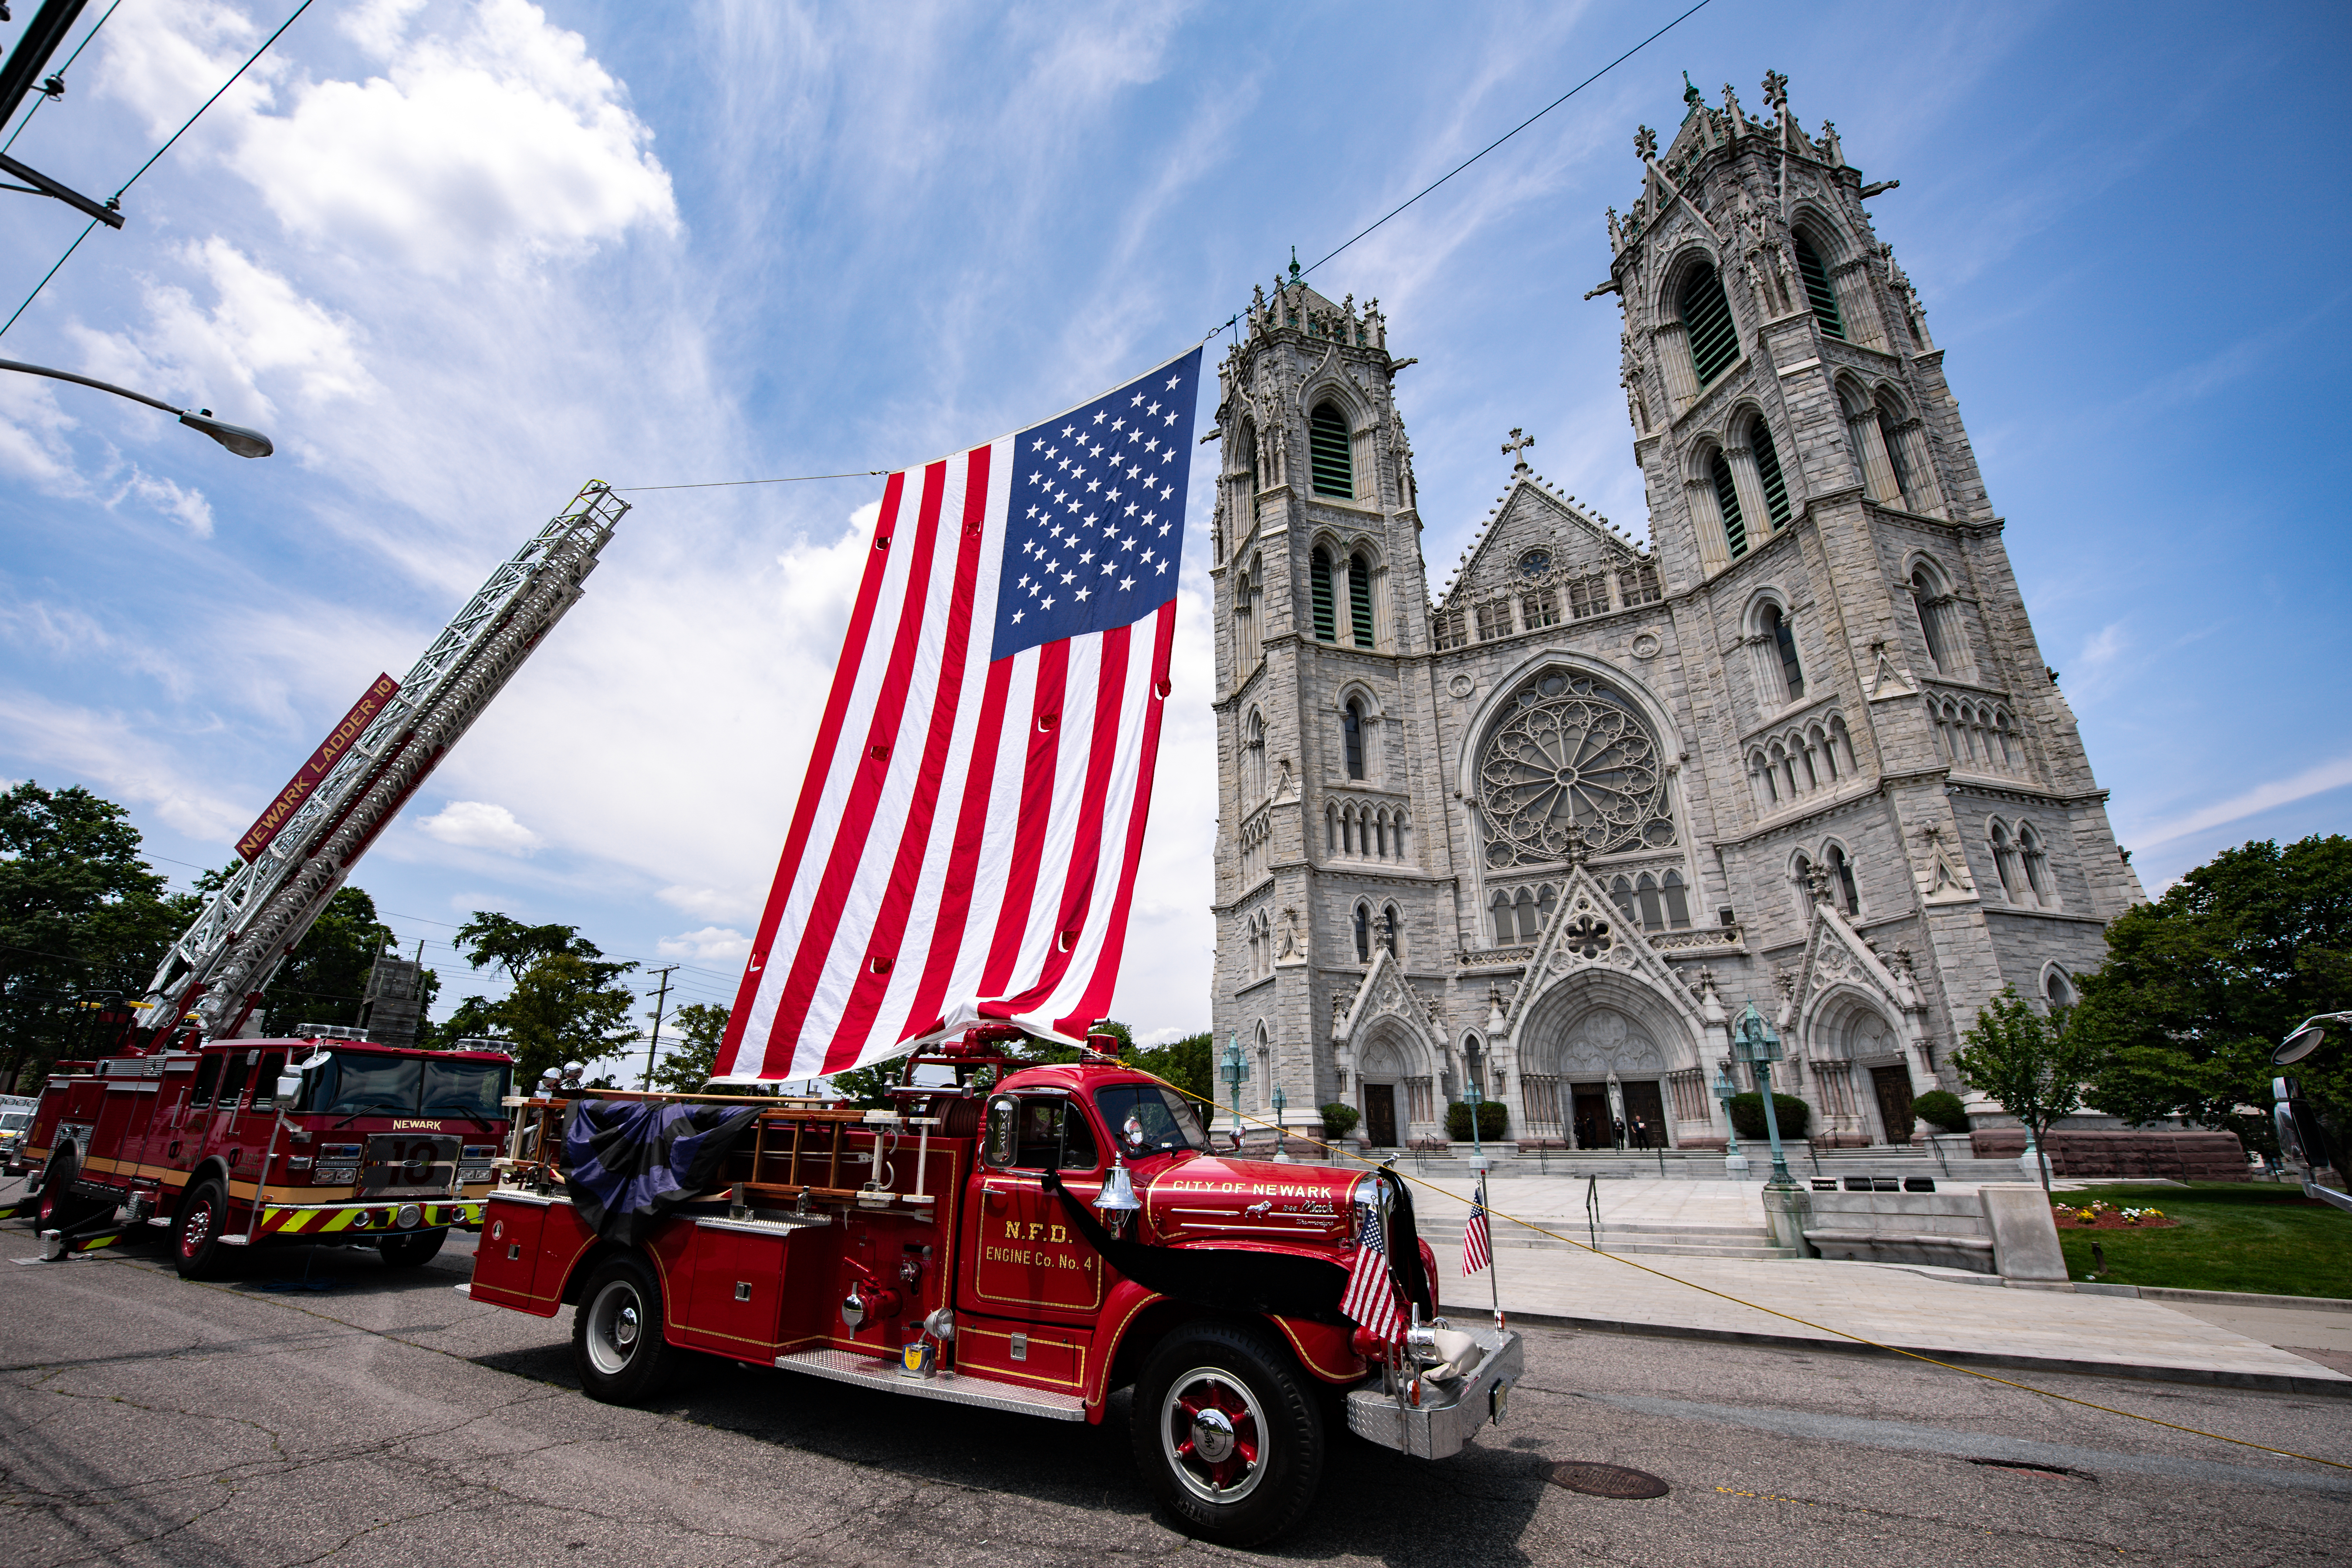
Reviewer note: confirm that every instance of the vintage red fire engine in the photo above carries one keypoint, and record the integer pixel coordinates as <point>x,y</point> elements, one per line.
<point>245,1142</point>
<point>1028,1243</point>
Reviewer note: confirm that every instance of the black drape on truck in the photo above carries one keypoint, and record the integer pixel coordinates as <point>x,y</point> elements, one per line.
<point>628,1162</point>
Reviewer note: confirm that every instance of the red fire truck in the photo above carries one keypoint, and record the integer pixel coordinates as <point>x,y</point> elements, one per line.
<point>249,1142</point>
<point>1027,1242</point>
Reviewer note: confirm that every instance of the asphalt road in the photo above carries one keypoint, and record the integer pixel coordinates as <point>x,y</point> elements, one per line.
<point>388,1420</point>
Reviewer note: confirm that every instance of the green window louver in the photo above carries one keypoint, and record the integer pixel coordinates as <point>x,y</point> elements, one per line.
<point>1318,583</point>
<point>1767,469</point>
<point>1818,291</point>
<point>1727,501</point>
<point>1334,458</point>
<point>1359,600</point>
<point>1707,318</point>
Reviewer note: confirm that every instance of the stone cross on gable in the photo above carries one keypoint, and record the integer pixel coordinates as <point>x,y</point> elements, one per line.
<point>1515,449</point>
<point>1776,91</point>
<point>1645,144</point>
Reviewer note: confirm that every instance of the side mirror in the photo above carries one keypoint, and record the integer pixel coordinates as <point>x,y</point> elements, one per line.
<point>2299,1045</point>
<point>290,1087</point>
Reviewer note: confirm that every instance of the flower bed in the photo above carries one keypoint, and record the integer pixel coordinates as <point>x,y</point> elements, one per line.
<point>2100,1215</point>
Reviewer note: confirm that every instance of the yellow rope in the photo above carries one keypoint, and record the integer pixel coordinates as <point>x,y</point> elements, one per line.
<point>1723,1296</point>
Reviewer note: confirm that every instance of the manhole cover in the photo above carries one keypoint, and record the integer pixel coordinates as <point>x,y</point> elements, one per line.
<point>1606,1480</point>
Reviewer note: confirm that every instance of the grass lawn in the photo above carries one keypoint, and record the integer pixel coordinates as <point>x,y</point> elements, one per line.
<point>2233,1236</point>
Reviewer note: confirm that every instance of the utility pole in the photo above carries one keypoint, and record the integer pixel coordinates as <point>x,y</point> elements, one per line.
<point>654,1049</point>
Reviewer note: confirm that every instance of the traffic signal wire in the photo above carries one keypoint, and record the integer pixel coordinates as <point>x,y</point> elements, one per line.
<point>1726,1296</point>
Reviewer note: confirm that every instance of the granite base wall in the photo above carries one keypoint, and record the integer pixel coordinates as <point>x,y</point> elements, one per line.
<point>2179,1155</point>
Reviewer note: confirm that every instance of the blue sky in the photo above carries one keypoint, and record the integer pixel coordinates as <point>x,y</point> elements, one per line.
<point>457,258</point>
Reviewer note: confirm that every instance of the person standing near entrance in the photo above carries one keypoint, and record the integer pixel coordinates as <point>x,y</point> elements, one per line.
<point>1617,1129</point>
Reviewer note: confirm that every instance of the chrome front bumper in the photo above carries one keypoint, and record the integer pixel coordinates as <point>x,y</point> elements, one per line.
<point>1451,1413</point>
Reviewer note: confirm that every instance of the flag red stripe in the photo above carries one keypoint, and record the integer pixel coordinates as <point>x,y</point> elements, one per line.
<point>1096,1002</point>
<point>955,893</point>
<point>1036,809</point>
<point>1078,881</point>
<point>816,936</point>
<point>828,737</point>
<point>914,841</point>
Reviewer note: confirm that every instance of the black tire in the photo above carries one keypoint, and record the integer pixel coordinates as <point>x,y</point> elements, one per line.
<point>196,1250</point>
<point>1229,1433</point>
<point>411,1250</point>
<point>58,1208</point>
<point>616,1333</point>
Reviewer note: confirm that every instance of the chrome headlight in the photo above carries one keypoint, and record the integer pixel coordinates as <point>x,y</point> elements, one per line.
<point>469,1174</point>
<point>335,1175</point>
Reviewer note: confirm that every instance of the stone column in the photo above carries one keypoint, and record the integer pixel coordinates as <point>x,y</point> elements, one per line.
<point>1670,342</point>
<point>1750,486</point>
<point>1877,472</point>
<point>1707,522</point>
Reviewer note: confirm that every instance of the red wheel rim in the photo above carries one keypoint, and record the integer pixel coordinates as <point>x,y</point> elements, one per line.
<point>197,1229</point>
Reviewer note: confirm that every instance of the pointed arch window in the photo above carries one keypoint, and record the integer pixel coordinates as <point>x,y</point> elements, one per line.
<point>2004,863</point>
<point>1359,599</point>
<point>1820,292</point>
<point>1331,451</point>
<point>1678,900</point>
<point>1318,592</point>
<point>1727,501</point>
<point>1501,906</point>
<point>1892,423</point>
<point>1774,484</point>
<point>1841,883</point>
<point>1707,318</point>
<point>1391,924</point>
<point>1351,736</point>
<point>1924,599</point>
<point>1363,933</point>
<point>1253,757</point>
<point>1645,896</point>
<point>2035,863</point>
<point>1620,893</point>
<point>1783,638</point>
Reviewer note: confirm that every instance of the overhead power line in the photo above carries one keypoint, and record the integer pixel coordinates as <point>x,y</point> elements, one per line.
<point>150,164</point>
<point>1220,326</point>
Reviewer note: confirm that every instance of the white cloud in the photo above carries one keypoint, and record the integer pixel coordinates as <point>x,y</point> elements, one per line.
<point>708,943</point>
<point>498,140</point>
<point>33,437</point>
<point>187,508</point>
<point>260,327</point>
<point>2311,781</point>
<point>122,756</point>
<point>478,825</point>
<point>712,904</point>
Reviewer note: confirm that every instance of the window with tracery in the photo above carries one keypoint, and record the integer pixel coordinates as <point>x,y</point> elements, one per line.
<point>1363,933</point>
<point>1570,752</point>
<point>1351,735</point>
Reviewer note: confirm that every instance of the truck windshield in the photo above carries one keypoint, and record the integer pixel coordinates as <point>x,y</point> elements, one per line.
<point>356,1081</point>
<point>1150,1119</point>
<point>15,1121</point>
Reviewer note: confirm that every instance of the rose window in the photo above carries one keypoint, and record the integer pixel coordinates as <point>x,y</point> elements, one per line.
<point>1570,752</point>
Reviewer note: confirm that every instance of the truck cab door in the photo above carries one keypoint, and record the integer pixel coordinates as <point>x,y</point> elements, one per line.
<point>1023,1257</point>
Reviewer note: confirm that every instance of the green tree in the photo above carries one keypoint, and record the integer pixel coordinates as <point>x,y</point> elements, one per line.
<point>1190,1064</point>
<point>686,1068</point>
<point>514,946</point>
<point>2199,985</point>
<point>566,1008</point>
<point>2033,1062</point>
<point>83,919</point>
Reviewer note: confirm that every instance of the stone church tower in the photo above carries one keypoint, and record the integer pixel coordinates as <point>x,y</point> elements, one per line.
<point>1554,829</point>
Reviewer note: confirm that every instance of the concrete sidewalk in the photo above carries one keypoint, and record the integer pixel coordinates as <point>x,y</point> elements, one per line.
<point>1933,1312</point>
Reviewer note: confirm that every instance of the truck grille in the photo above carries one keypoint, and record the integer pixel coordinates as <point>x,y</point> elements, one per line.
<point>407,1164</point>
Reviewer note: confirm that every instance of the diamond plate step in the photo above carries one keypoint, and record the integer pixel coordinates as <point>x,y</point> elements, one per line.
<point>845,1366</point>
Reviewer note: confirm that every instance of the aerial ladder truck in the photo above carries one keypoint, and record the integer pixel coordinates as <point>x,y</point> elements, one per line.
<point>227,1140</point>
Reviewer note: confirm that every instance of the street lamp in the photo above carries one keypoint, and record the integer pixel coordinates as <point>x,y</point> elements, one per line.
<point>1734,1163</point>
<point>245,443</point>
<point>1758,1044</point>
<point>1236,1072</point>
<point>1280,1132</point>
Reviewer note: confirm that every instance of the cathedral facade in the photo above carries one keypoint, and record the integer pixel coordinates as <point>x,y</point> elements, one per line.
<point>1551,828</point>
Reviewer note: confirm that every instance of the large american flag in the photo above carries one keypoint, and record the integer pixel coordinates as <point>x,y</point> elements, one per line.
<point>967,837</point>
<point>1370,1298</point>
